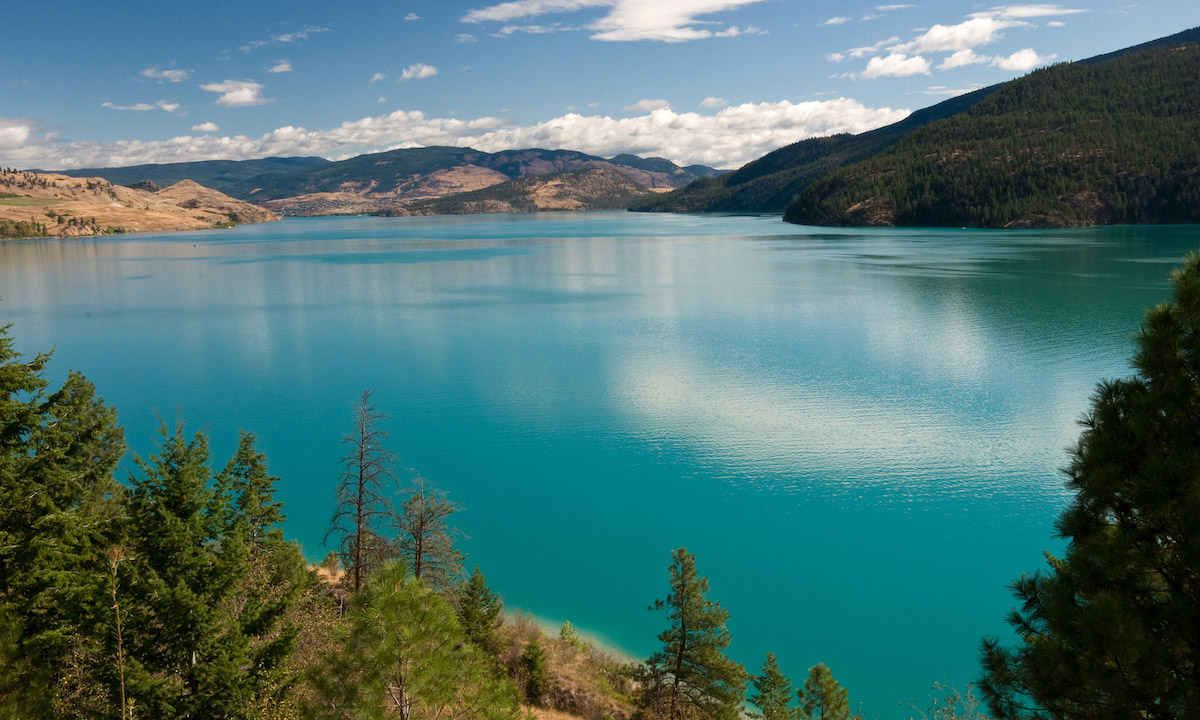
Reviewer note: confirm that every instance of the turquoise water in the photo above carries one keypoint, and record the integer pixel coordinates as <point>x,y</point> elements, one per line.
<point>857,432</point>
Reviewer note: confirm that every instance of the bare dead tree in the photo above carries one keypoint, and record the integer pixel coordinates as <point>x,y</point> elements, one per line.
<point>363,494</point>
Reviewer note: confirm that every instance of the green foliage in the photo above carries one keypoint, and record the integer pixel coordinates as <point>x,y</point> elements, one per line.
<point>58,508</point>
<point>823,698</point>
<point>228,176</point>
<point>22,229</point>
<point>534,673</point>
<point>570,637</point>
<point>773,694</point>
<point>1110,630</point>
<point>1116,140</point>
<point>690,675</point>
<point>423,537</point>
<point>403,655</point>
<point>775,180</point>
<point>479,612</point>
<point>950,704</point>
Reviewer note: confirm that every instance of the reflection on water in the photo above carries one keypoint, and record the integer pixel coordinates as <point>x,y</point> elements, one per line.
<point>857,432</point>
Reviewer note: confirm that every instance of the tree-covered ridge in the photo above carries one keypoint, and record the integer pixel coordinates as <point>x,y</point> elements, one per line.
<point>1115,140</point>
<point>228,176</point>
<point>775,180</point>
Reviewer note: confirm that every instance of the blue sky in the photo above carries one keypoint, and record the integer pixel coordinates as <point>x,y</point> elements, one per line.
<point>718,82</point>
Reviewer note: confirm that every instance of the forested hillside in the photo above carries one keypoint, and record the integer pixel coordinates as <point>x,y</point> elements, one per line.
<point>1112,140</point>
<point>773,182</point>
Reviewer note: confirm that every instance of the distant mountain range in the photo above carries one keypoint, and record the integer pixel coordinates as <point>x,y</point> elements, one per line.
<point>1112,139</point>
<point>388,182</point>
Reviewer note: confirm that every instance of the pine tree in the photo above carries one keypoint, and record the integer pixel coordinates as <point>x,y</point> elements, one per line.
<point>479,612</point>
<point>363,504</point>
<point>823,698</point>
<point>772,692</point>
<point>423,537</point>
<point>59,509</point>
<point>1112,629</point>
<point>535,674</point>
<point>403,655</point>
<point>691,675</point>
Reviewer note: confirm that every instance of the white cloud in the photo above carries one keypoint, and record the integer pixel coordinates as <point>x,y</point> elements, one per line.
<point>647,106</point>
<point>626,20</point>
<point>860,52</point>
<point>943,90</point>
<point>835,57</point>
<point>967,34</point>
<point>418,71</point>
<point>412,16</point>
<point>734,31</point>
<point>1022,60</point>
<point>463,38</point>
<point>301,34</point>
<point>140,107</point>
<point>382,100</point>
<point>281,66</point>
<point>839,20</point>
<point>890,8</point>
<point>1027,11</point>
<point>962,58</point>
<point>205,127</point>
<point>237,93</point>
<point>730,137</point>
<point>713,102</point>
<point>171,75</point>
<point>14,134</point>
<point>1056,23</point>
<point>896,65</point>
<point>377,77</point>
<point>532,29</point>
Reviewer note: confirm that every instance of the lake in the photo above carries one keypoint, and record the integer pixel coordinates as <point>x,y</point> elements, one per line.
<point>856,432</point>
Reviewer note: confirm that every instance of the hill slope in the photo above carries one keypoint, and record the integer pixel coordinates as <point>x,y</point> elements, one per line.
<point>227,176</point>
<point>41,205</point>
<point>596,189</point>
<point>1115,139</point>
<point>772,182</point>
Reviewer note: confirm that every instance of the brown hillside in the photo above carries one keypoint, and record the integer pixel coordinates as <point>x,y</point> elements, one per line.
<point>80,207</point>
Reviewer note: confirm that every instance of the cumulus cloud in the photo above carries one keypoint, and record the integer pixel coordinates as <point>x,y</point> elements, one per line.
<point>141,107</point>
<point>172,75</point>
<point>237,93</point>
<point>205,127</point>
<point>963,58</point>
<point>896,65</point>
<point>728,138</point>
<point>412,16</point>
<point>1027,11</point>
<point>418,71</point>
<point>647,106</point>
<point>280,66</point>
<point>713,102</point>
<point>463,38</point>
<point>1022,60</point>
<point>967,34</point>
<point>839,20</point>
<point>626,20</point>
<point>377,77</point>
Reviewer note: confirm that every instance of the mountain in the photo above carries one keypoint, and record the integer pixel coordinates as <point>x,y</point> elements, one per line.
<point>772,182</point>
<point>1114,139</point>
<point>42,204</point>
<point>387,180</point>
<point>596,189</point>
<point>224,175</point>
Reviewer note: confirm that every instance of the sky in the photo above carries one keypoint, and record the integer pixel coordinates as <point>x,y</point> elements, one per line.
<point>712,82</point>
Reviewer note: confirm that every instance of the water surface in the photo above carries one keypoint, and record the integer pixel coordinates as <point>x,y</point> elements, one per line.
<point>857,432</point>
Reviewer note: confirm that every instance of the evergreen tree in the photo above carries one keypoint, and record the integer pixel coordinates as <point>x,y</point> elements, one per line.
<point>59,508</point>
<point>423,537</point>
<point>691,676</point>
<point>479,612</point>
<point>403,655</point>
<point>534,673</point>
<point>772,692</point>
<point>368,472</point>
<point>1112,629</point>
<point>823,698</point>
